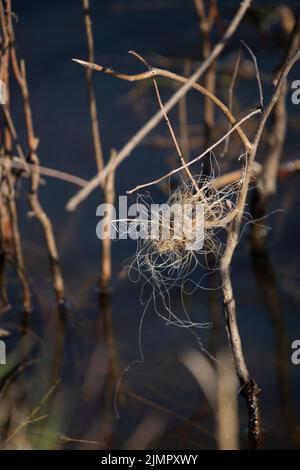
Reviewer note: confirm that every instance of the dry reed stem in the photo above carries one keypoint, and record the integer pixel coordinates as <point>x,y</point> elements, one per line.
<point>20,75</point>
<point>32,416</point>
<point>257,74</point>
<point>109,198</point>
<point>90,87</point>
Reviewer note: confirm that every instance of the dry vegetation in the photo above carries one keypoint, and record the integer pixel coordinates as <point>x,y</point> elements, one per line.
<point>163,264</point>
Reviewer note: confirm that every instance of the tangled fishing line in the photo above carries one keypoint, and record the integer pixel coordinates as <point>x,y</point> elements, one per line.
<point>168,263</point>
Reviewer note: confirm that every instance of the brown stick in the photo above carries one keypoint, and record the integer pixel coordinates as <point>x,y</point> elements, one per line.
<point>90,87</point>
<point>109,198</point>
<point>284,170</point>
<point>37,209</point>
<point>267,182</point>
<point>257,74</point>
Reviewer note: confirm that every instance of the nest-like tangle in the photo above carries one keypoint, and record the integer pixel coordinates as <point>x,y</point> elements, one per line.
<point>165,263</point>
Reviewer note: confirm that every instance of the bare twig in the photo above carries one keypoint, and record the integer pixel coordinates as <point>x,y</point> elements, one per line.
<point>37,209</point>
<point>20,265</point>
<point>20,75</point>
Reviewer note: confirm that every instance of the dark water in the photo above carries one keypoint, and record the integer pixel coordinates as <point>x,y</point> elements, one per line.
<point>100,398</point>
